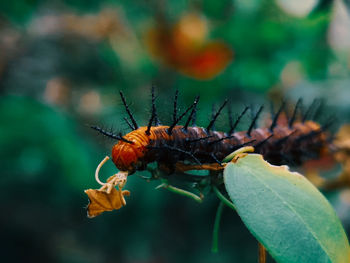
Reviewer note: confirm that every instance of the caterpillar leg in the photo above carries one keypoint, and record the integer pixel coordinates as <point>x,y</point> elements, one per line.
<point>180,191</point>
<point>181,167</point>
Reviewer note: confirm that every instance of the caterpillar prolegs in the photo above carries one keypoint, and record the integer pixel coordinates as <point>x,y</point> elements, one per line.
<point>290,141</point>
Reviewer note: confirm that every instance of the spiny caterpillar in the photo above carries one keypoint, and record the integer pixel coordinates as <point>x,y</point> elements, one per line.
<point>288,141</point>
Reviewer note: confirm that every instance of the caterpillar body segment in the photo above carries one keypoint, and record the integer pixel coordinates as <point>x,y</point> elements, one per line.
<point>285,140</point>
<point>197,145</point>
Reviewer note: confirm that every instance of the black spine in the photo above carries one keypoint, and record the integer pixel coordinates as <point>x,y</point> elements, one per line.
<point>153,114</point>
<point>175,105</point>
<point>128,123</point>
<point>292,119</point>
<point>254,121</point>
<point>261,143</point>
<point>175,149</point>
<point>216,116</point>
<point>309,110</point>
<point>331,120</point>
<point>215,159</point>
<point>230,118</point>
<point>318,109</point>
<point>213,112</point>
<point>220,140</point>
<point>200,139</point>
<point>309,135</point>
<point>111,134</point>
<point>192,114</point>
<point>154,109</point>
<point>128,111</point>
<point>275,119</point>
<point>237,146</point>
<point>238,120</point>
<point>285,138</point>
<point>170,129</point>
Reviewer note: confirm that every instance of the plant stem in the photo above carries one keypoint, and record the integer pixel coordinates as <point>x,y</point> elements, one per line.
<point>262,253</point>
<point>223,198</point>
<point>214,247</point>
<point>180,191</point>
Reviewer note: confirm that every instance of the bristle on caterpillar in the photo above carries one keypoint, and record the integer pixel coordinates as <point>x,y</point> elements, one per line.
<point>285,141</point>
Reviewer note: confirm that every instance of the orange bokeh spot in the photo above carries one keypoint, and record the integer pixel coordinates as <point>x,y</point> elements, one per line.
<point>209,62</point>
<point>184,47</point>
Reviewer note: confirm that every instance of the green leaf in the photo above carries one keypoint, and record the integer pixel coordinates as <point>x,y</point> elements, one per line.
<point>285,212</point>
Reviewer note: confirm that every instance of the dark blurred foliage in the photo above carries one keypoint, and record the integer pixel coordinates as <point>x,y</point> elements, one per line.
<point>61,65</point>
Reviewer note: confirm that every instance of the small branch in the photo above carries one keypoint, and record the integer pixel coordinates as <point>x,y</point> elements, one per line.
<point>223,198</point>
<point>214,247</point>
<point>262,253</point>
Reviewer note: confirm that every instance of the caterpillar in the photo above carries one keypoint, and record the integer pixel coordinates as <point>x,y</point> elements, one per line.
<point>287,140</point>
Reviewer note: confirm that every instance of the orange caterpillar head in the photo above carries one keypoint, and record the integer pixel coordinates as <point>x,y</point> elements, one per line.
<point>129,152</point>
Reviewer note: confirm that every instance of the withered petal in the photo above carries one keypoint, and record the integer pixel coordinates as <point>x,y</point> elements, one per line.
<point>101,201</point>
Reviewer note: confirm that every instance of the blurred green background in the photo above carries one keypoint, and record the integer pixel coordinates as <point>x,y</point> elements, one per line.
<point>62,64</point>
